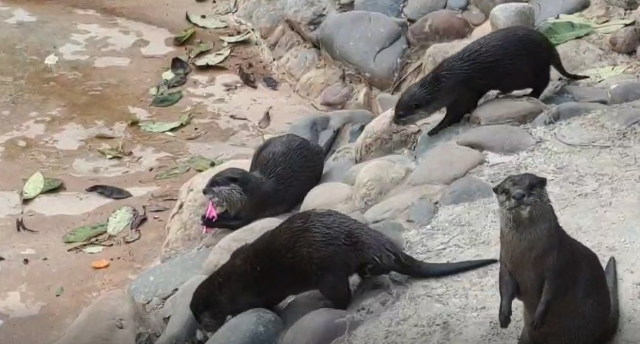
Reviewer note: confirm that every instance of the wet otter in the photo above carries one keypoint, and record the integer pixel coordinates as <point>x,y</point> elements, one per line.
<point>568,298</point>
<point>509,59</point>
<point>283,170</point>
<point>314,249</point>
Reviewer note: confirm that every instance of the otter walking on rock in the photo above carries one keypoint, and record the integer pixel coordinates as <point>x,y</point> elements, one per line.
<point>283,170</point>
<point>314,249</point>
<point>509,59</point>
<point>567,297</point>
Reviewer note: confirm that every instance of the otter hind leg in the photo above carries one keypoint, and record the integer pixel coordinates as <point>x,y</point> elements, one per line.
<point>524,337</point>
<point>336,289</point>
<point>540,83</point>
<point>461,105</point>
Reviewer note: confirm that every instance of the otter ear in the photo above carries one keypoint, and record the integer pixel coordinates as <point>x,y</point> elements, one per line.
<point>496,189</point>
<point>542,182</point>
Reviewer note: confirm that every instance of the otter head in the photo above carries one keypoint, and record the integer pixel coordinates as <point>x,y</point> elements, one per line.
<point>519,193</point>
<point>208,306</point>
<point>421,99</point>
<point>226,190</point>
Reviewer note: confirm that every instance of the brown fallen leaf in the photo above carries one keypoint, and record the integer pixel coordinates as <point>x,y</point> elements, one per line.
<point>247,78</point>
<point>265,121</point>
<point>100,264</point>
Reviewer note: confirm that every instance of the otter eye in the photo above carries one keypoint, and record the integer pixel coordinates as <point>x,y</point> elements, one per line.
<point>531,188</point>
<point>415,105</point>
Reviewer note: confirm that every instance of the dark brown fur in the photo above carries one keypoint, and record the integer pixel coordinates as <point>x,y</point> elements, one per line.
<point>315,249</point>
<point>567,297</point>
<point>283,170</point>
<point>506,60</point>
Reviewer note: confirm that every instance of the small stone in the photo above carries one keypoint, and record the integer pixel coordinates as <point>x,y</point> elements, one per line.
<point>182,325</point>
<point>392,140</point>
<point>375,180</point>
<point>385,101</point>
<point>247,234</point>
<point>474,17</point>
<point>334,196</point>
<point>566,111</point>
<point>416,9</point>
<point>625,117</point>
<point>624,4</point>
<point>486,6</point>
<point>586,94</point>
<point>465,190</point>
<point>457,5</point>
<point>255,326</point>
<point>624,93</point>
<point>502,139</point>
<point>553,8</point>
<point>352,174</point>
<point>297,60</point>
<point>315,80</point>
<point>440,51</point>
<point>512,14</point>
<point>337,170</point>
<point>391,8</point>
<point>444,164</point>
<point>336,95</point>
<point>426,142</point>
<point>321,326</point>
<point>397,206</point>
<point>507,110</point>
<point>421,212</point>
<point>393,230</point>
<point>625,40</point>
<point>437,27</point>
<point>301,305</point>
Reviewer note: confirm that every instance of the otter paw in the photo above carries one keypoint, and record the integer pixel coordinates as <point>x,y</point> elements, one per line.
<point>536,324</point>
<point>505,319</point>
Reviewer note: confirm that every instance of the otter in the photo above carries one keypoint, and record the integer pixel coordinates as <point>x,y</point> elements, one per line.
<point>283,170</point>
<point>567,297</point>
<point>509,59</point>
<point>311,250</point>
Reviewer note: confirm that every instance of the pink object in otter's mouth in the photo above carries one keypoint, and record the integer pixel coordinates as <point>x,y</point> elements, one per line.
<point>211,215</point>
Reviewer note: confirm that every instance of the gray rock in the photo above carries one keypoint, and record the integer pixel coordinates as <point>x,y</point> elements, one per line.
<point>182,325</point>
<point>263,15</point>
<point>385,101</point>
<point>457,5</point>
<point>397,206</point>
<point>485,6</point>
<point>502,139</point>
<point>317,128</point>
<point>507,110</point>
<point>337,171</point>
<point>625,117</point>
<point>444,164</point>
<point>336,95</point>
<point>393,230</point>
<point>624,93</point>
<point>371,42</point>
<point>437,27</point>
<point>421,212</point>
<point>391,8</point>
<point>307,15</point>
<point>426,142</point>
<point>301,305</point>
<point>553,8</point>
<point>586,94</point>
<point>566,111</point>
<point>475,17</point>
<point>465,190</point>
<point>335,196</point>
<point>255,326</point>
<point>312,83</point>
<point>440,51</point>
<point>310,127</point>
<point>298,61</point>
<point>416,9</point>
<point>625,40</point>
<point>162,280</point>
<point>352,173</point>
<point>512,14</point>
<point>114,318</point>
<point>625,4</point>
<point>375,180</point>
<point>321,326</point>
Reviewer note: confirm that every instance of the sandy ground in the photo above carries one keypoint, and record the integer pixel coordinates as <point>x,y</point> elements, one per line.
<point>106,56</point>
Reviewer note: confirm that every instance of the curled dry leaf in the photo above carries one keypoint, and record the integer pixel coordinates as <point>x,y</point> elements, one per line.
<point>161,127</point>
<point>162,99</point>
<point>265,121</point>
<point>109,191</point>
<point>238,38</point>
<point>183,36</point>
<point>176,171</point>
<point>205,21</point>
<point>33,187</point>
<point>84,233</point>
<point>200,164</point>
<point>200,49</point>
<point>212,59</point>
<point>120,219</point>
<point>113,152</point>
<point>247,78</point>
<point>270,83</point>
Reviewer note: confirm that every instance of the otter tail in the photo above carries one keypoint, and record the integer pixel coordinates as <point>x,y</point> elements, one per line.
<point>611,276</point>
<point>410,266</point>
<point>556,62</point>
<point>326,149</point>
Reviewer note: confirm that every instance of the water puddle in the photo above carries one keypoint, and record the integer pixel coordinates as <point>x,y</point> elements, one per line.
<point>16,304</point>
<point>18,16</point>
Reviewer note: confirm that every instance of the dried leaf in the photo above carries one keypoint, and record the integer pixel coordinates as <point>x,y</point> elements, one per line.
<point>201,48</point>
<point>180,66</point>
<point>84,233</point>
<point>166,99</point>
<point>34,186</point>
<point>265,121</point>
<point>200,164</point>
<point>100,264</point>
<point>51,184</point>
<point>212,59</point>
<point>247,78</point>
<point>176,171</point>
<point>205,21</point>
<point>270,83</point>
<point>109,191</point>
<point>183,36</point>
<point>120,219</point>
<point>162,127</point>
<point>59,291</point>
<point>238,38</point>
<point>113,152</point>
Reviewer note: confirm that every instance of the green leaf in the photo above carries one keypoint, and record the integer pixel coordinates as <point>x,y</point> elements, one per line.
<point>238,38</point>
<point>176,171</point>
<point>612,26</point>
<point>183,36</point>
<point>33,187</point>
<point>51,184</point>
<point>166,99</point>
<point>84,233</point>
<point>161,127</point>
<point>120,220</point>
<point>560,32</point>
<point>93,249</point>
<point>200,164</point>
<point>212,59</point>
<point>59,291</point>
<point>201,48</point>
<point>205,21</point>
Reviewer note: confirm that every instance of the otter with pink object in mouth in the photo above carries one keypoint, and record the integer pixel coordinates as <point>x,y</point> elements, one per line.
<point>212,215</point>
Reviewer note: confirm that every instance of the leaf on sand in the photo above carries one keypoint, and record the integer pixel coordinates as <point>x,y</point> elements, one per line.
<point>183,36</point>
<point>162,127</point>
<point>59,291</point>
<point>562,30</point>
<point>238,38</point>
<point>212,59</point>
<point>205,21</point>
<point>34,186</point>
<point>166,99</point>
<point>265,121</point>
<point>599,74</point>
<point>120,219</point>
<point>201,48</point>
<point>113,152</point>
<point>100,264</point>
<point>176,171</point>
<point>612,26</point>
<point>93,249</point>
<point>200,164</point>
<point>179,66</point>
<point>51,184</point>
<point>84,233</point>
<point>109,191</point>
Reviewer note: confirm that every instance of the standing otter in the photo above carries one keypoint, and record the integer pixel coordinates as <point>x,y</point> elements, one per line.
<point>283,170</point>
<point>509,59</point>
<point>314,249</point>
<point>568,298</point>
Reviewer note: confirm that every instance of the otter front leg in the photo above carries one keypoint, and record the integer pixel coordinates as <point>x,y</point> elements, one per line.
<point>543,305</point>
<point>461,105</point>
<point>508,292</point>
<point>336,289</point>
